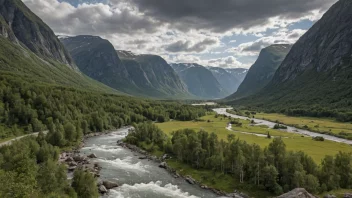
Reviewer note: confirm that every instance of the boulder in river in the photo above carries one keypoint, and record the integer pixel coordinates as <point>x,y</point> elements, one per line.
<point>102,189</point>
<point>79,158</point>
<point>92,155</point>
<point>69,159</point>
<point>110,185</point>
<point>190,180</point>
<point>163,165</point>
<point>347,195</point>
<point>297,193</point>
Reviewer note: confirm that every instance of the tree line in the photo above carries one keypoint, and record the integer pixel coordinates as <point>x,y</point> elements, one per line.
<point>29,167</point>
<point>273,168</point>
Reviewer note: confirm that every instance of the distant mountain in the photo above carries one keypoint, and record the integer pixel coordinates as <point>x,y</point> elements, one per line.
<point>30,49</point>
<point>153,75</point>
<point>239,73</point>
<point>199,80</point>
<point>316,76</point>
<point>229,79</point>
<point>139,75</point>
<point>263,70</point>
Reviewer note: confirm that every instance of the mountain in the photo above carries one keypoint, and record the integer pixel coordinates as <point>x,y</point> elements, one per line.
<point>139,75</point>
<point>263,70</point>
<point>97,58</point>
<point>153,75</point>
<point>316,75</point>
<point>199,80</point>
<point>229,79</point>
<point>29,49</point>
<point>20,25</point>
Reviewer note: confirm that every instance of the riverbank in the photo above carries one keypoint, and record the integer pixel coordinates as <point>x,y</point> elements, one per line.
<point>323,126</point>
<point>177,172</point>
<point>73,159</point>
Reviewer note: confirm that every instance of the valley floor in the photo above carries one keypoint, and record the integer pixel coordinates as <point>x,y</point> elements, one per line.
<point>295,142</point>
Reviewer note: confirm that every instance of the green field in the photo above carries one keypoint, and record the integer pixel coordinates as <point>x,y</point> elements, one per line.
<point>317,150</point>
<point>313,124</point>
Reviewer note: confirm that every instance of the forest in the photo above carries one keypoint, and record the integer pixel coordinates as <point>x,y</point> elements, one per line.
<point>273,168</point>
<point>29,168</point>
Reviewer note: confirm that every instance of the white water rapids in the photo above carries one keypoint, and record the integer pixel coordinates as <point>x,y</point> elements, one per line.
<point>137,178</point>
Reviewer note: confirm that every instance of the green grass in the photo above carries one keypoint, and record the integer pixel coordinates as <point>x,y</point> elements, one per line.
<point>220,181</point>
<point>314,124</point>
<point>317,150</point>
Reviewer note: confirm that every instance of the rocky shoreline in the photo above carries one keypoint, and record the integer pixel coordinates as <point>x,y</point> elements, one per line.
<point>74,160</point>
<point>173,172</point>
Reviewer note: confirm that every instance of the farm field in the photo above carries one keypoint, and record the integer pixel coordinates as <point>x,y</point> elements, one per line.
<point>316,149</point>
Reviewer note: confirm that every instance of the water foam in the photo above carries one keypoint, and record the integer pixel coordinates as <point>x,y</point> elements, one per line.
<point>104,148</point>
<point>151,189</point>
<point>126,164</point>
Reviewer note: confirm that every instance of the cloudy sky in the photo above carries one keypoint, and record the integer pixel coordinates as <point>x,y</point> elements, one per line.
<point>225,33</point>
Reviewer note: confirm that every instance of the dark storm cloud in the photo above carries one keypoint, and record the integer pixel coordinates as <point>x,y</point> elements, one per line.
<point>187,46</point>
<point>222,15</point>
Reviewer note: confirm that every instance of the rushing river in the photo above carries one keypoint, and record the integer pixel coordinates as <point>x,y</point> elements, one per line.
<point>289,129</point>
<point>139,178</point>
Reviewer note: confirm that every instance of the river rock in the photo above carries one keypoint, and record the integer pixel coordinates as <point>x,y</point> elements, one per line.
<point>165,156</point>
<point>79,158</point>
<point>71,168</point>
<point>347,195</point>
<point>92,155</point>
<point>69,159</point>
<point>143,157</point>
<point>102,189</point>
<point>72,163</point>
<point>162,165</point>
<point>110,185</point>
<point>329,196</point>
<point>297,193</point>
<point>190,180</point>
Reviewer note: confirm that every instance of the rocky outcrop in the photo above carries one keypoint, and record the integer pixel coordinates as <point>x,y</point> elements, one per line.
<point>20,25</point>
<point>297,193</point>
<point>347,195</point>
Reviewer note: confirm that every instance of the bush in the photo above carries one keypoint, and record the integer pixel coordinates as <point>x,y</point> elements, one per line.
<point>318,138</point>
<point>279,126</point>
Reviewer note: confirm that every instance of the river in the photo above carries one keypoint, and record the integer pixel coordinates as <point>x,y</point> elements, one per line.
<point>289,129</point>
<point>139,178</point>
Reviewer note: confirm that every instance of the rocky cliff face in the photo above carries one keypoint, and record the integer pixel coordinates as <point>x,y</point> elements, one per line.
<point>199,80</point>
<point>316,75</point>
<point>325,47</point>
<point>96,57</point>
<point>20,25</point>
<point>263,70</point>
<point>229,79</point>
<point>140,75</point>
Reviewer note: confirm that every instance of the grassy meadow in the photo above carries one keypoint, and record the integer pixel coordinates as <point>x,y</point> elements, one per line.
<point>317,150</point>
<point>313,124</point>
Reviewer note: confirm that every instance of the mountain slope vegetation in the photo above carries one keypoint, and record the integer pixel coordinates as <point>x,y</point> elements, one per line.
<point>316,76</point>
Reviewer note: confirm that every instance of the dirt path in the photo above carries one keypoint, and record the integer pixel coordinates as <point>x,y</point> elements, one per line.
<point>9,142</point>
